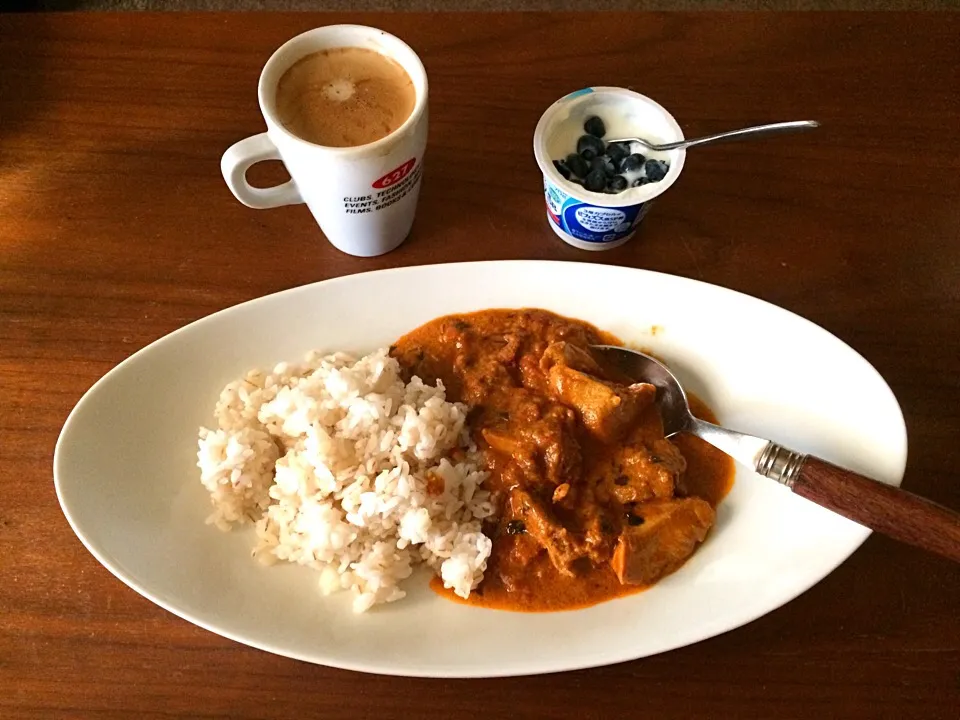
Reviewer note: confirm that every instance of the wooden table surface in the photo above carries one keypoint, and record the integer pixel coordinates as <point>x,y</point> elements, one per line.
<point>116,228</point>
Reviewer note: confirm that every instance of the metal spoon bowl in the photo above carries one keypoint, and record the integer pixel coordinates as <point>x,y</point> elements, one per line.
<point>749,132</point>
<point>876,505</point>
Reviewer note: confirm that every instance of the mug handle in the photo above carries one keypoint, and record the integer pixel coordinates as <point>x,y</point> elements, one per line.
<point>237,160</point>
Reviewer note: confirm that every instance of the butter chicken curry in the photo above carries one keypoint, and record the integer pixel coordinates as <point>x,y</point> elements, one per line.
<point>593,501</point>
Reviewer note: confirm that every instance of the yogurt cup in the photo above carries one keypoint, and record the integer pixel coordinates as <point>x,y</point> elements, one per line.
<point>599,221</point>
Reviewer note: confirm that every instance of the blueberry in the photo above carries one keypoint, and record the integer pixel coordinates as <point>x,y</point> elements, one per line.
<point>603,164</point>
<point>617,183</point>
<point>632,163</point>
<point>589,146</point>
<point>655,170</point>
<point>617,152</point>
<point>578,166</point>
<point>638,182</point>
<point>562,169</point>
<point>594,126</point>
<point>596,181</point>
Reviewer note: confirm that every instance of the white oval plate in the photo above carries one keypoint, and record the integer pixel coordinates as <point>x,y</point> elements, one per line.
<point>126,478</point>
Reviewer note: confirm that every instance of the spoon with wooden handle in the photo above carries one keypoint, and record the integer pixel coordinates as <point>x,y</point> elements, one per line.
<point>876,505</point>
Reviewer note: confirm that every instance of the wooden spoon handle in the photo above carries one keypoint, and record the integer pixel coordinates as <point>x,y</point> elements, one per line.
<point>884,508</point>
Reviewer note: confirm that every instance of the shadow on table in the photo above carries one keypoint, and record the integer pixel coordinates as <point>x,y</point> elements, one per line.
<point>39,5</point>
<point>23,70</point>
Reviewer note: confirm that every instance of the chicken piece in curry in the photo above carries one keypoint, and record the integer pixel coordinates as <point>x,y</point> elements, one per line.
<point>593,501</point>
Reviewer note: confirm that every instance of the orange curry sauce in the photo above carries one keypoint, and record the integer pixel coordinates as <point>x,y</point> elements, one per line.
<point>441,350</point>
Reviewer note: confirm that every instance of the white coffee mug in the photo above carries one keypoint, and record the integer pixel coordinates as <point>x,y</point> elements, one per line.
<point>364,198</point>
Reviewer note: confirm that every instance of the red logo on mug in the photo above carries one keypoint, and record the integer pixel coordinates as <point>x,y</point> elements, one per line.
<point>395,176</point>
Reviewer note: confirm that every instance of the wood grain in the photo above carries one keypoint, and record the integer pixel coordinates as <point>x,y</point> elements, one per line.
<point>892,511</point>
<point>116,228</point>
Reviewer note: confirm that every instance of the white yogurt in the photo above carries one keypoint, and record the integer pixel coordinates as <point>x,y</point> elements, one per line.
<point>591,220</point>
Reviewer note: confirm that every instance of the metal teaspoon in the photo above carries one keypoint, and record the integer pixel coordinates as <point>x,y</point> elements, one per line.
<point>756,130</point>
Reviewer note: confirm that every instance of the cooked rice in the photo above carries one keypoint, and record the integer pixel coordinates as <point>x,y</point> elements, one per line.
<point>342,467</point>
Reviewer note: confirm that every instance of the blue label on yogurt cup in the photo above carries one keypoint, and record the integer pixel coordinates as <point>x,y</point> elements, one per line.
<point>591,223</point>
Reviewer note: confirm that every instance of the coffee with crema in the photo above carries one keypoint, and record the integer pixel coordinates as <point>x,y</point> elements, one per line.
<point>342,97</point>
